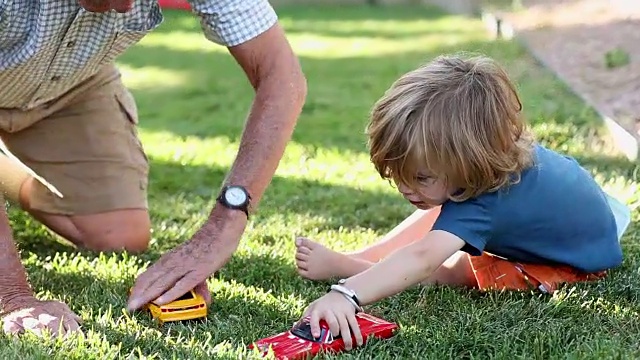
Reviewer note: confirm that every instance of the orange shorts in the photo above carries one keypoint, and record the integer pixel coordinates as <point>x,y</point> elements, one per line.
<point>495,273</point>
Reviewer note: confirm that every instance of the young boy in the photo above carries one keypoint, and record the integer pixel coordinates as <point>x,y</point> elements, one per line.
<point>496,209</point>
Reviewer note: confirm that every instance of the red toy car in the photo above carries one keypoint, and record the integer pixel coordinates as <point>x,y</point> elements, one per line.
<point>298,342</point>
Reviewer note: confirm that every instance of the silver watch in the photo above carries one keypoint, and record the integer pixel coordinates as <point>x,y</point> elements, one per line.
<point>348,293</point>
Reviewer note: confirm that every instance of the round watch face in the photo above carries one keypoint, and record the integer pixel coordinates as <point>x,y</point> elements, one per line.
<point>235,196</point>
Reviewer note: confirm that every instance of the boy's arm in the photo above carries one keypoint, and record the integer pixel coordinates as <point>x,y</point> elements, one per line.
<point>405,267</point>
<point>403,234</point>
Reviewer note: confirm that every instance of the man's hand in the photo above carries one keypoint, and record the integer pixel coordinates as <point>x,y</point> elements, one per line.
<point>31,314</point>
<point>274,72</point>
<point>186,267</point>
<point>339,314</point>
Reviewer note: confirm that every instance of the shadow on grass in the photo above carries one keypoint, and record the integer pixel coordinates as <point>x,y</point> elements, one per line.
<point>276,274</point>
<point>355,21</point>
<point>335,112</point>
<point>359,12</point>
<point>182,194</point>
<point>181,197</point>
<point>79,289</point>
<point>215,95</point>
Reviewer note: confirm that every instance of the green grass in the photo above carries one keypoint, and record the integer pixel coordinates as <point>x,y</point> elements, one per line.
<point>192,100</point>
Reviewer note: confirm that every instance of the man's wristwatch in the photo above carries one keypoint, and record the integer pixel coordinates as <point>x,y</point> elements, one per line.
<point>235,197</point>
<point>348,293</point>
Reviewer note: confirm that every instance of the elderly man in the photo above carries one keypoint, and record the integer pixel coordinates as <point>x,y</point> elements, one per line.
<point>65,113</point>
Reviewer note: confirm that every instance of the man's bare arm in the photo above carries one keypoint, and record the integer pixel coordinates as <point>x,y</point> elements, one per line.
<point>19,309</point>
<point>13,277</point>
<point>275,74</point>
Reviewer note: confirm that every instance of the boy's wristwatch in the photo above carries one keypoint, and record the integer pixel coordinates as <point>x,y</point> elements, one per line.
<point>235,197</point>
<point>348,293</point>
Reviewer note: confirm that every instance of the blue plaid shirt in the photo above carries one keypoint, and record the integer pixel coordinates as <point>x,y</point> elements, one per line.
<point>50,46</point>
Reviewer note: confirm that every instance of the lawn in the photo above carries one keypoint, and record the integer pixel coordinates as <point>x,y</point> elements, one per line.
<point>192,100</point>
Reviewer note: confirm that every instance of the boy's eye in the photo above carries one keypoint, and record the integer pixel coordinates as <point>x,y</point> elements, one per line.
<point>424,179</point>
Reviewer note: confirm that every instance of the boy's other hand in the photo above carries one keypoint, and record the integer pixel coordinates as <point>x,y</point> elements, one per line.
<point>340,316</point>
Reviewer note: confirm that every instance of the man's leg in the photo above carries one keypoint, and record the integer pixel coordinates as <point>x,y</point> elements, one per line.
<point>86,145</point>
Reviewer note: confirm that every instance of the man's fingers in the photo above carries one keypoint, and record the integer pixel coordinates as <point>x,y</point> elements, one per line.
<point>307,311</point>
<point>52,323</point>
<point>145,279</point>
<point>143,283</point>
<point>33,325</point>
<point>344,331</point>
<point>57,329</point>
<point>179,288</point>
<point>202,290</point>
<point>140,298</point>
<point>29,323</point>
<point>146,291</point>
<point>11,327</point>
<point>69,322</point>
<point>355,328</point>
<point>70,325</point>
<point>50,317</point>
<point>69,313</point>
<point>77,318</point>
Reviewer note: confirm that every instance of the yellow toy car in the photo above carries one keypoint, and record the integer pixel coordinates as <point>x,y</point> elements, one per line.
<point>187,307</point>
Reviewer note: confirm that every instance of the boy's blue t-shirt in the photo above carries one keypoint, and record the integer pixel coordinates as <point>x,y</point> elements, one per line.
<point>556,214</point>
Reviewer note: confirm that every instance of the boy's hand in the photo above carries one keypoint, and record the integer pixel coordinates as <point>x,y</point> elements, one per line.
<point>339,314</point>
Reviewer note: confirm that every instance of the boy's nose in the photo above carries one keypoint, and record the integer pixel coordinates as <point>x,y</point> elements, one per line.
<point>404,189</point>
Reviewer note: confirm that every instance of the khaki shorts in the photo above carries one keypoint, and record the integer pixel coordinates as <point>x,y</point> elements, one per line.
<point>86,145</point>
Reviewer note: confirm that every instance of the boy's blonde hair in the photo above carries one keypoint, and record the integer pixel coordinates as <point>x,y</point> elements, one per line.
<point>457,118</point>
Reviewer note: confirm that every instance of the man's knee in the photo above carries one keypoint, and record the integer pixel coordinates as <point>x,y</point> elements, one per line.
<point>128,230</point>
